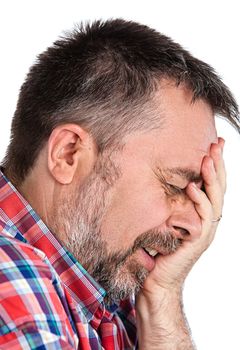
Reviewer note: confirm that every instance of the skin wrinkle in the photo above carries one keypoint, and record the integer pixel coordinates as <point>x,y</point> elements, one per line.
<point>115,205</point>
<point>166,175</point>
<point>105,267</point>
<point>105,86</point>
<point>92,215</point>
<point>186,174</point>
<point>118,272</point>
<point>153,102</point>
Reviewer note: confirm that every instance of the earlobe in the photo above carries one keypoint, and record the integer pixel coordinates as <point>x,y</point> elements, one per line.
<point>66,148</point>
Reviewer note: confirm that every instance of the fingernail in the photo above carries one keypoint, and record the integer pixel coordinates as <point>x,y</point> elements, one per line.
<point>223,143</point>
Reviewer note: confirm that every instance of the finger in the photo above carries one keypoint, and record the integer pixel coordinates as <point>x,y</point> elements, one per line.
<point>221,142</point>
<point>205,211</point>
<point>213,188</point>
<point>216,151</point>
<point>201,202</point>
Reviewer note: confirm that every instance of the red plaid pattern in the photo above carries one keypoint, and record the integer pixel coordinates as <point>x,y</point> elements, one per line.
<point>47,299</point>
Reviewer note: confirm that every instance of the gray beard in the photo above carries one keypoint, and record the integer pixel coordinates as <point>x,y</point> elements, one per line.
<point>118,273</point>
<point>80,216</point>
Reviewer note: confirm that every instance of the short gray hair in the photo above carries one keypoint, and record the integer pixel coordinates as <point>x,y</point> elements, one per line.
<point>103,76</point>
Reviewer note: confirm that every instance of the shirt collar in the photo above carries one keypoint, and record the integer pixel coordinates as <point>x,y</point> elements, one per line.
<point>25,224</point>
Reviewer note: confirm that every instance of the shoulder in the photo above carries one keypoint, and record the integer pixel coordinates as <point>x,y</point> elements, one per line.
<point>24,272</point>
<point>17,256</point>
<point>30,290</point>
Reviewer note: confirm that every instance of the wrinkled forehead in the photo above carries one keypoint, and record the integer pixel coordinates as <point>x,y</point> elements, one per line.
<point>188,128</point>
<point>186,132</point>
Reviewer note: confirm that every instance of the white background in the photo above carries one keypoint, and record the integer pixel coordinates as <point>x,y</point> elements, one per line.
<point>210,30</point>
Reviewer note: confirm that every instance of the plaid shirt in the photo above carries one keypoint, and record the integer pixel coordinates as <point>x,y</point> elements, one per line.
<point>47,299</point>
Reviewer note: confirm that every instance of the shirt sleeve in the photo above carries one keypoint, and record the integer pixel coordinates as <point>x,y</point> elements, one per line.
<point>33,314</point>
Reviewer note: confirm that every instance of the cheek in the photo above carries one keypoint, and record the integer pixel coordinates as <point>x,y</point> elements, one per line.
<point>134,213</point>
<point>150,211</point>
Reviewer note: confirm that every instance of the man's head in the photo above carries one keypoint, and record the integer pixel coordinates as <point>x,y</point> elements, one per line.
<point>111,123</point>
<point>103,77</point>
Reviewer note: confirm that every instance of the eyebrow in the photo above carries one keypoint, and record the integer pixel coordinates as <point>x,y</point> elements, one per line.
<point>185,173</point>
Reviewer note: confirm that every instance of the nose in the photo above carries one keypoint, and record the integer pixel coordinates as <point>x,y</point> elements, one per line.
<point>184,220</point>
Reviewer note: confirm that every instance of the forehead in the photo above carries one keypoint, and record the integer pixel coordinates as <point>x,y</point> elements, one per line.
<point>186,132</point>
<point>186,123</point>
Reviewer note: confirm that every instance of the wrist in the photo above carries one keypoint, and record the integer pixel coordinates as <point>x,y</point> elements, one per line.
<point>158,301</point>
<point>162,309</point>
<point>161,321</point>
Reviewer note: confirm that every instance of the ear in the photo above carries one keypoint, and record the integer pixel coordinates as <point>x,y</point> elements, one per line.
<point>71,150</point>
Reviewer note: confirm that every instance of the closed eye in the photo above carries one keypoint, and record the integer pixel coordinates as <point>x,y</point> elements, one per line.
<point>174,190</point>
<point>170,189</point>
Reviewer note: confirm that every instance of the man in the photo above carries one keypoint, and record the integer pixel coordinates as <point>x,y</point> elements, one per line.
<point>111,189</point>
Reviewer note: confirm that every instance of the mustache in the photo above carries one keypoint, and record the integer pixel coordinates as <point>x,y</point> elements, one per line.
<point>165,242</point>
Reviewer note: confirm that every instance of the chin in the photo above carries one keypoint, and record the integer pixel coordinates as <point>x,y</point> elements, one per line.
<point>125,282</point>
